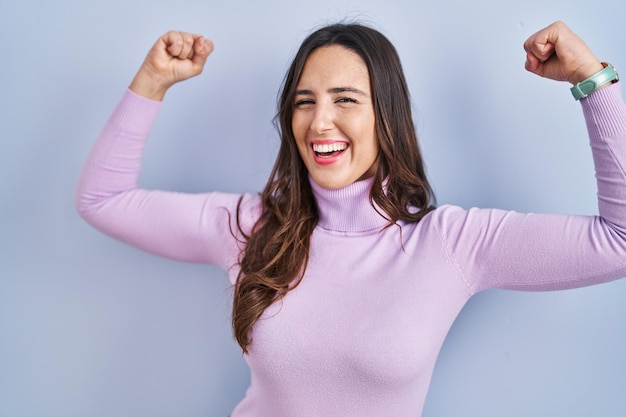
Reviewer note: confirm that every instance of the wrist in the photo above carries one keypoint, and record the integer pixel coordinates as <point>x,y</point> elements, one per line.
<point>148,86</point>
<point>588,71</point>
<point>600,79</point>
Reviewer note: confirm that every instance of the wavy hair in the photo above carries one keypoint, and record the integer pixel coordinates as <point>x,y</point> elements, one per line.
<point>276,252</point>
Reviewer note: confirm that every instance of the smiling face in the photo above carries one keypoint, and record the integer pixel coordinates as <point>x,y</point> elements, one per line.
<point>333,118</point>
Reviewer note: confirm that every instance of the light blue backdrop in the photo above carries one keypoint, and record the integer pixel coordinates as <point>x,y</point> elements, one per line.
<point>91,327</point>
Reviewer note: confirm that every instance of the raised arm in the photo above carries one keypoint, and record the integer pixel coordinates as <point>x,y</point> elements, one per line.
<point>505,249</point>
<point>188,227</point>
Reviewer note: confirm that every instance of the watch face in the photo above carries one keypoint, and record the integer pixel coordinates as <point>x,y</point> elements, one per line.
<point>615,76</point>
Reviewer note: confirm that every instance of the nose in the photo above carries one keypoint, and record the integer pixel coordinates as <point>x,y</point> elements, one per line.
<point>323,118</point>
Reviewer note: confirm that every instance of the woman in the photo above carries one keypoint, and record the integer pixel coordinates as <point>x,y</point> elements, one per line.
<point>346,278</point>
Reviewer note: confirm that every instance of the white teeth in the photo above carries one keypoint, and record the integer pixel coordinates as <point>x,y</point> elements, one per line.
<point>331,147</point>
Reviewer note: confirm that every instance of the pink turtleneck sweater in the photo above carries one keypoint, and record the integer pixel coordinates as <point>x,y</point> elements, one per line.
<point>360,335</point>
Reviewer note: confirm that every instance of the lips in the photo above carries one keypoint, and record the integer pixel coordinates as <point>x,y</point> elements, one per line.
<point>326,153</point>
<point>326,148</point>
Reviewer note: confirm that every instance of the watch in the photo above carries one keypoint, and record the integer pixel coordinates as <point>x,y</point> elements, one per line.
<point>597,80</point>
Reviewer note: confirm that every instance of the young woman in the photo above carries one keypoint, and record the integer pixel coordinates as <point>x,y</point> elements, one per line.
<point>346,278</point>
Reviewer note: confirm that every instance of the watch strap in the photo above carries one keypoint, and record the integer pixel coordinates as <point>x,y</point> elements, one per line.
<point>606,75</point>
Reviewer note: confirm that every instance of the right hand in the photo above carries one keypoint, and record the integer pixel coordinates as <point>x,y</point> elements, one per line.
<point>176,56</point>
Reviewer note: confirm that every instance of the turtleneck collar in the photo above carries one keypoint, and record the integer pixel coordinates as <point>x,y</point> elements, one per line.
<point>347,209</point>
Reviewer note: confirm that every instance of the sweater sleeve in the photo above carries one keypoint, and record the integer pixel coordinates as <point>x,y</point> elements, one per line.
<point>188,227</point>
<point>537,252</point>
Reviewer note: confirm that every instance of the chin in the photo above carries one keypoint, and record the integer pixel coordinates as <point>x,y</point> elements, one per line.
<point>330,183</point>
<point>333,183</point>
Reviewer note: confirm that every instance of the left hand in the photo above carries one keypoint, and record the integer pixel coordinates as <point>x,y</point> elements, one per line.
<point>557,53</point>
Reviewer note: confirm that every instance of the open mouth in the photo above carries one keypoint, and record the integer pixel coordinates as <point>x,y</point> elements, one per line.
<point>329,150</point>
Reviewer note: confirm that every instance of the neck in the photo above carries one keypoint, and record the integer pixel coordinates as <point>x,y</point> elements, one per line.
<point>348,209</point>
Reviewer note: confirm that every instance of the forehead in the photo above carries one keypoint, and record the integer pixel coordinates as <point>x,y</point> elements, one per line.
<point>334,66</point>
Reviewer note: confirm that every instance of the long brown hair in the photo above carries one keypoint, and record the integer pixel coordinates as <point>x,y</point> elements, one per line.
<point>276,253</point>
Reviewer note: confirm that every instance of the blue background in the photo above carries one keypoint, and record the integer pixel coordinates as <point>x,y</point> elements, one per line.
<point>91,327</point>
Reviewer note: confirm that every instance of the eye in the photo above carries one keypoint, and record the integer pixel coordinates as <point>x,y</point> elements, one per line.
<point>303,102</point>
<point>346,100</point>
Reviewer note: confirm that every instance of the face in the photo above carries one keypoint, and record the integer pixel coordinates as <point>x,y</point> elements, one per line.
<point>333,119</point>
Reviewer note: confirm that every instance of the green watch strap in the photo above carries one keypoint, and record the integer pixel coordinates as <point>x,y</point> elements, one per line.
<point>597,80</point>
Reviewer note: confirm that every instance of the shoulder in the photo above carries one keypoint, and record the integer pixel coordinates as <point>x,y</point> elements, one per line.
<point>244,208</point>
<point>454,223</point>
<point>445,214</point>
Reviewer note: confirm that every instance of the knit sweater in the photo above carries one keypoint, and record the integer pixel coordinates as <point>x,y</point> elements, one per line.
<point>360,335</point>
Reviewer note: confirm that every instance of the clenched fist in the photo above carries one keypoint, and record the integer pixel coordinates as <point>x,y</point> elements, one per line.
<point>176,56</point>
<point>558,53</point>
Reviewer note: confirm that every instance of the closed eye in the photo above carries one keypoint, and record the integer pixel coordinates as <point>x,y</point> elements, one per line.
<point>303,102</point>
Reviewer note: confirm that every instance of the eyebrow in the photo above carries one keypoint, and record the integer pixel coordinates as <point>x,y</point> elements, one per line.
<point>333,90</point>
